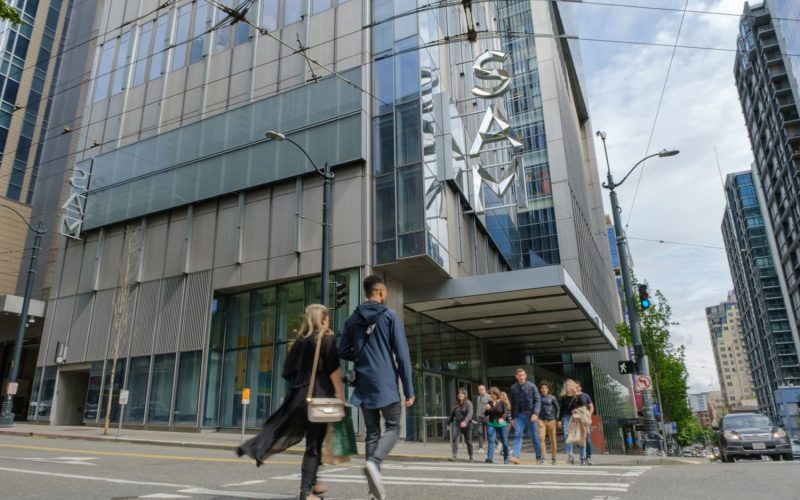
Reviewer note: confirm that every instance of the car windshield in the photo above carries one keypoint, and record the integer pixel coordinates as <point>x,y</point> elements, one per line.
<point>745,421</point>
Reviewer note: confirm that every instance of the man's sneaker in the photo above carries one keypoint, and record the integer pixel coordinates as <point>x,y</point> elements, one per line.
<point>374,480</point>
<point>514,460</point>
<point>583,461</point>
<point>540,462</point>
<point>480,450</point>
<point>452,459</point>
<point>553,462</point>
<point>588,461</point>
<point>505,461</point>
<point>489,461</point>
<point>570,459</point>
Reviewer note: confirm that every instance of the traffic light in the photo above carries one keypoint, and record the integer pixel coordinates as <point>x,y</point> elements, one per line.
<point>644,297</point>
<point>341,295</point>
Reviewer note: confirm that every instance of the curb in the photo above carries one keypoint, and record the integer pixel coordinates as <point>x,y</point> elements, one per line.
<point>294,450</point>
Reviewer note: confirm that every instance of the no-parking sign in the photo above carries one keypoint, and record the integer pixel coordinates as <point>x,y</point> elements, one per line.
<point>643,383</point>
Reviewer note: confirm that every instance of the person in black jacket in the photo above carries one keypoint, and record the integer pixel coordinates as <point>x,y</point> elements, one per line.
<point>571,401</point>
<point>497,412</point>
<point>548,418</point>
<point>289,424</point>
<point>525,407</point>
<point>461,423</point>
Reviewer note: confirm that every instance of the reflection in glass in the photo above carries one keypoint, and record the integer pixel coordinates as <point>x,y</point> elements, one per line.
<point>161,390</point>
<point>406,70</point>
<point>137,385</point>
<point>198,33</point>
<point>186,393</point>
<point>47,390</point>
<point>181,37</point>
<point>408,133</point>
<point>409,199</point>
<point>383,145</point>
<point>90,411</point>
<point>34,403</point>
<point>384,208</point>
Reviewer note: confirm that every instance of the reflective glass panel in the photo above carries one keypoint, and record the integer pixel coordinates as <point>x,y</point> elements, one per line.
<point>121,68</point>
<point>186,393</point>
<point>119,378</point>
<point>104,68</point>
<point>161,389</point>
<point>140,65</point>
<point>137,385</point>
<point>269,14</point>
<point>181,37</point>
<point>408,134</point>
<point>93,393</point>
<point>46,394</point>
<point>159,46</point>
<point>34,403</point>
<point>410,214</point>
<point>198,33</point>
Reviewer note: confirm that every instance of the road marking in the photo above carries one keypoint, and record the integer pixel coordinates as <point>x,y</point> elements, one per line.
<point>246,483</point>
<point>146,455</point>
<point>616,487</point>
<point>94,478</point>
<point>235,494</point>
<point>493,467</point>
<point>571,471</point>
<point>64,460</point>
<point>164,495</point>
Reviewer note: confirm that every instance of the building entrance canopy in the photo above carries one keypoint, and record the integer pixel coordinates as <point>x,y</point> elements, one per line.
<point>539,310</point>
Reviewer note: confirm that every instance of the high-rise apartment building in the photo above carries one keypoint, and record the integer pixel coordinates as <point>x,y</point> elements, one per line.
<point>730,354</point>
<point>31,54</point>
<point>698,403</point>
<point>767,71</point>
<point>207,234</point>
<point>766,325</point>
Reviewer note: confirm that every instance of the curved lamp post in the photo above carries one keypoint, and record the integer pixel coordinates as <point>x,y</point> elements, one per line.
<point>7,412</point>
<point>653,439</point>
<point>327,175</point>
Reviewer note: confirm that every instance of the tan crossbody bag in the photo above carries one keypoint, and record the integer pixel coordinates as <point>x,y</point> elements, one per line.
<point>322,409</point>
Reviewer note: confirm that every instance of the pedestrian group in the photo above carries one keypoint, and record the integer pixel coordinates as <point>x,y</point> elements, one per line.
<point>374,340</point>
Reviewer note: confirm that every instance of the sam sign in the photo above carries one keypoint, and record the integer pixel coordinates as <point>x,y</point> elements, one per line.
<point>73,210</point>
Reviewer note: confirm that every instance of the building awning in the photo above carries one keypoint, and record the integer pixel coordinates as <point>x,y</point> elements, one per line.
<point>538,310</point>
<point>10,310</point>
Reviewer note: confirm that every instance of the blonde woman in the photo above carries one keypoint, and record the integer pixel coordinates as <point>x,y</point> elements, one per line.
<point>572,406</point>
<point>289,424</point>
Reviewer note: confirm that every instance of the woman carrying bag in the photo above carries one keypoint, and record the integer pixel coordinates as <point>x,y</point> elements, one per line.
<point>497,410</point>
<point>315,345</point>
<point>575,420</point>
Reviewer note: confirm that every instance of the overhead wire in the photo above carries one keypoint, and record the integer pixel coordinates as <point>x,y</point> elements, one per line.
<point>655,119</point>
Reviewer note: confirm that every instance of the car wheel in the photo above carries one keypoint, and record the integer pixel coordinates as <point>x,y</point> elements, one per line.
<point>788,457</point>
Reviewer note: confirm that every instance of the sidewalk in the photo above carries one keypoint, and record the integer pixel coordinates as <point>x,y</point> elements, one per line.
<point>406,451</point>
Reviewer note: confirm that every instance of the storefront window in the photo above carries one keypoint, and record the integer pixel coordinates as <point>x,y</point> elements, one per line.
<point>37,380</point>
<point>161,390</point>
<point>46,396</point>
<point>93,393</point>
<point>137,387</point>
<point>186,394</point>
<point>119,378</point>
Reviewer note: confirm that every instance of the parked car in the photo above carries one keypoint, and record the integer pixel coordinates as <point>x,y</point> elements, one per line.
<point>743,435</point>
<point>688,453</point>
<point>796,448</point>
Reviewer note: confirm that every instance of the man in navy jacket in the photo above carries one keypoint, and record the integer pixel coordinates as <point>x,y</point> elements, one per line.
<point>373,339</point>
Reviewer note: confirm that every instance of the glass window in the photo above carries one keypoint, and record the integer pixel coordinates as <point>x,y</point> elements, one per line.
<point>218,308</point>
<point>121,68</point>
<point>186,393</point>
<point>198,33</point>
<point>181,37</point>
<point>318,6</point>
<point>34,403</point>
<point>410,215</point>
<point>242,29</point>
<point>119,378</point>
<point>384,208</point>
<point>408,134</point>
<point>381,9</point>
<point>383,145</point>
<point>137,386</point>
<point>93,393</point>
<point>234,360</point>
<point>382,79</point>
<point>269,14</point>
<point>47,390</point>
<point>406,70</point>
<point>292,12</point>
<point>140,65</point>
<point>159,46</point>
<point>161,389</point>
<point>103,70</point>
<point>222,36</point>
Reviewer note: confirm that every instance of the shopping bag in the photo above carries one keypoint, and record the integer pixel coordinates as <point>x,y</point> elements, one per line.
<point>344,438</point>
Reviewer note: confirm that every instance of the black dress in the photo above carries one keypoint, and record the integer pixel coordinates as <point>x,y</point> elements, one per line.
<point>288,425</point>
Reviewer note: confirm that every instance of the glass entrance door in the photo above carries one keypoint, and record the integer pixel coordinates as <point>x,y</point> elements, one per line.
<point>435,412</point>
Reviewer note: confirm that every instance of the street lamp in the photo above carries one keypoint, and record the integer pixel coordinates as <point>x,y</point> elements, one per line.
<point>642,364</point>
<point>327,175</point>
<point>7,412</point>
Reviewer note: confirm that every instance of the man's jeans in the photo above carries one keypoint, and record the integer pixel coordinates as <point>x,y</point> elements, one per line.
<point>522,421</point>
<point>377,446</point>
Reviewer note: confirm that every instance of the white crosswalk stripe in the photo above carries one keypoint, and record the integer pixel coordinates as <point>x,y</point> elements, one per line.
<point>598,479</point>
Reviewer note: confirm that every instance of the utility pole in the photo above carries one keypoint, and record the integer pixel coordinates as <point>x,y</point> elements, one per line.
<point>652,437</point>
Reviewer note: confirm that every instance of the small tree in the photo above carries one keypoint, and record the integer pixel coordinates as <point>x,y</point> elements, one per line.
<point>126,283</point>
<point>9,13</point>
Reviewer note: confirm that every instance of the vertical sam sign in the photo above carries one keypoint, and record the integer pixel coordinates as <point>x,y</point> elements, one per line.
<point>74,208</point>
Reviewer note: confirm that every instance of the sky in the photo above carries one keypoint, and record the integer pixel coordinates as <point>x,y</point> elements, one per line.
<point>679,199</point>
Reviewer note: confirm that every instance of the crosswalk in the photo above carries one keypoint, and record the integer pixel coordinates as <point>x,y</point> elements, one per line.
<point>407,477</point>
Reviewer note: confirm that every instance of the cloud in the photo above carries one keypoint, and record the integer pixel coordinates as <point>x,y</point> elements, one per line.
<point>679,199</point>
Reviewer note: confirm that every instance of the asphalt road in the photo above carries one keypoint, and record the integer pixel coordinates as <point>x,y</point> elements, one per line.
<point>35,468</point>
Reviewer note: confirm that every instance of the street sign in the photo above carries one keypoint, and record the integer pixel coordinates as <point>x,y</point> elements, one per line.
<point>626,367</point>
<point>123,397</point>
<point>643,383</point>
<point>245,396</point>
<point>656,410</point>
